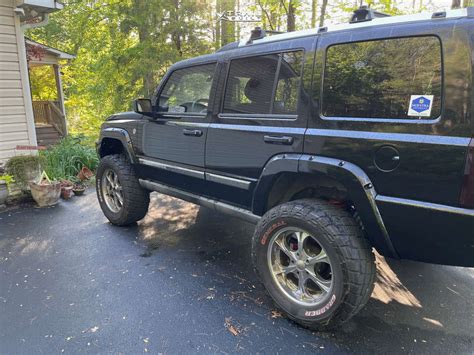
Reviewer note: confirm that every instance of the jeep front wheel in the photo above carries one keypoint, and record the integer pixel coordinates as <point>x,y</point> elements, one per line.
<point>314,261</point>
<point>120,195</point>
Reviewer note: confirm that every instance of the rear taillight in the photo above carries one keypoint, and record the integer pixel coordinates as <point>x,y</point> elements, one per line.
<point>467,191</point>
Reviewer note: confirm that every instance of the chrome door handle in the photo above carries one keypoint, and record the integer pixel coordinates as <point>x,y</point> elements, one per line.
<point>278,140</point>
<point>192,132</point>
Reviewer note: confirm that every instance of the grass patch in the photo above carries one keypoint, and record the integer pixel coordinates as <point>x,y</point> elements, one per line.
<point>65,159</point>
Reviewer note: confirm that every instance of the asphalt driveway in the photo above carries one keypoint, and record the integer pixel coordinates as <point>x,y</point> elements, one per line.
<point>181,281</point>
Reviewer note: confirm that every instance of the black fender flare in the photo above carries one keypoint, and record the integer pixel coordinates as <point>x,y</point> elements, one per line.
<point>282,163</point>
<point>359,186</point>
<point>121,135</point>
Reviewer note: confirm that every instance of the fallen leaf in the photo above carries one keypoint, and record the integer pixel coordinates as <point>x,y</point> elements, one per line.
<point>276,314</point>
<point>234,331</point>
<point>231,328</point>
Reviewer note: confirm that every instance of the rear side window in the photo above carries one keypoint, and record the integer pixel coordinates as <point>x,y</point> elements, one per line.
<point>264,84</point>
<point>395,79</point>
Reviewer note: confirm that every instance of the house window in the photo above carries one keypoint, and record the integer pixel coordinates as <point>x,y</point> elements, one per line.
<point>394,78</point>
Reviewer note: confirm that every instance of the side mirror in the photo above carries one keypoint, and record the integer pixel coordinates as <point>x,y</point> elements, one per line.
<point>144,107</point>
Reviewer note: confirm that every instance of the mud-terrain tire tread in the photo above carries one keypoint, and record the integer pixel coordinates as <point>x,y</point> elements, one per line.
<point>345,234</point>
<point>136,198</point>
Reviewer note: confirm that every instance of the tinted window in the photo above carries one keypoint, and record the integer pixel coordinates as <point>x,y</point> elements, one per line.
<point>251,84</point>
<point>286,95</point>
<point>377,79</point>
<point>187,90</point>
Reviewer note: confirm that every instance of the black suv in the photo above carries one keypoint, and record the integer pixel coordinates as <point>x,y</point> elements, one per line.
<point>334,141</point>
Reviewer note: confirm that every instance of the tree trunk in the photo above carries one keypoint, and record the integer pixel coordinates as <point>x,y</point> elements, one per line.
<point>314,13</point>
<point>143,36</point>
<point>323,13</point>
<point>218,24</point>
<point>228,27</point>
<point>455,4</point>
<point>176,33</point>
<point>237,25</point>
<point>290,18</point>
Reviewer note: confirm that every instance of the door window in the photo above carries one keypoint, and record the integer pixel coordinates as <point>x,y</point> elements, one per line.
<point>264,84</point>
<point>287,89</point>
<point>187,90</point>
<point>397,78</point>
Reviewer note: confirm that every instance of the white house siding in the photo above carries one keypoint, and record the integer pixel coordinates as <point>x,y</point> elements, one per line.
<point>16,115</point>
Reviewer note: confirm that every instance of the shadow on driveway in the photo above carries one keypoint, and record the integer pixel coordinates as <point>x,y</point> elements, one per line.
<point>182,278</point>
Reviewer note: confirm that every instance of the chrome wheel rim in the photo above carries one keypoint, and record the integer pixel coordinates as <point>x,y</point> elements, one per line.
<point>112,191</point>
<point>300,266</point>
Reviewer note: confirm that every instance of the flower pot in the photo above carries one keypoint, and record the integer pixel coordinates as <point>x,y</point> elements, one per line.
<point>3,193</point>
<point>66,189</point>
<point>79,189</point>
<point>85,173</point>
<point>66,192</point>
<point>45,194</point>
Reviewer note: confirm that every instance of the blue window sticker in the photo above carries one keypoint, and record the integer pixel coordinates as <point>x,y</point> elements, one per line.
<point>420,105</point>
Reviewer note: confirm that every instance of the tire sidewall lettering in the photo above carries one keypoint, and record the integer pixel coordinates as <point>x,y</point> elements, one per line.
<point>270,230</point>
<point>99,188</point>
<point>322,310</point>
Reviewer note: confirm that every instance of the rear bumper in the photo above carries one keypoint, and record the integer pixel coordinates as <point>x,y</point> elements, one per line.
<point>429,232</point>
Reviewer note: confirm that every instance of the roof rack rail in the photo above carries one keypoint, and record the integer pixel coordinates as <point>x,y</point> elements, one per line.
<point>228,46</point>
<point>259,33</point>
<point>256,33</point>
<point>365,13</point>
<point>273,32</point>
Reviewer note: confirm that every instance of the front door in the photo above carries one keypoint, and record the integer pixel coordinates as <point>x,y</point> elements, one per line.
<point>174,143</point>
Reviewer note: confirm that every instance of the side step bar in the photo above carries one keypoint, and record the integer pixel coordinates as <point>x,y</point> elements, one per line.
<point>200,200</point>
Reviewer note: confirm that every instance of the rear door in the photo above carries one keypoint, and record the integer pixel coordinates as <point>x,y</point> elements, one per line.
<point>263,112</point>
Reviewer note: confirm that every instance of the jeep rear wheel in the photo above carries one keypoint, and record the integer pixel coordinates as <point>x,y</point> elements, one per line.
<point>314,261</point>
<point>120,195</point>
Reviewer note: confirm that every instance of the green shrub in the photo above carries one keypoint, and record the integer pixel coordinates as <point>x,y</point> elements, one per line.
<point>7,179</point>
<point>65,160</point>
<point>23,168</point>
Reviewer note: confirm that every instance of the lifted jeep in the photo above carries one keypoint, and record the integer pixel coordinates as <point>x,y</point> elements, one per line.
<point>334,141</point>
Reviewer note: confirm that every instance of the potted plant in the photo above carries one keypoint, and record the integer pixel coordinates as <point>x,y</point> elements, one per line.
<point>44,191</point>
<point>5,181</point>
<point>79,188</point>
<point>85,173</point>
<point>66,189</point>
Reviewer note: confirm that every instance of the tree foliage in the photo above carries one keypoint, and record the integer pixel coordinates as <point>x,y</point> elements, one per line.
<point>124,47</point>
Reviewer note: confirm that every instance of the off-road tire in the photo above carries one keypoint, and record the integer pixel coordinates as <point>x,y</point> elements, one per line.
<point>352,260</point>
<point>136,199</point>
